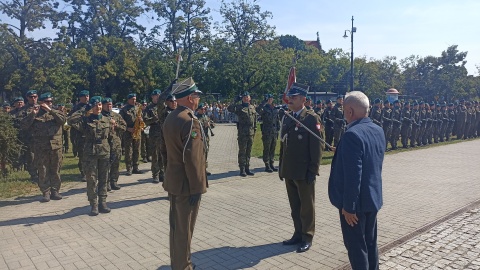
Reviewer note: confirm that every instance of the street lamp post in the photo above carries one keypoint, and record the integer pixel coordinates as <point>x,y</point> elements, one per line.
<point>354,30</point>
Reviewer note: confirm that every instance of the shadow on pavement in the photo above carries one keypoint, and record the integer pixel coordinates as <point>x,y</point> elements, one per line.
<point>237,257</point>
<point>83,210</point>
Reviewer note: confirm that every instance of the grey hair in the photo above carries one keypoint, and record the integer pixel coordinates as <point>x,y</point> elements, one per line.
<point>357,100</point>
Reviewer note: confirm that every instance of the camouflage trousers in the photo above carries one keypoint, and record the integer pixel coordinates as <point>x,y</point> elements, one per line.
<point>96,171</point>
<point>394,136</point>
<point>387,131</point>
<point>245,143</point>
<point>329,134</point>
<point>27,157</point>
<point>114,171</point>
<point>337,134</point>
<point>460,129</point>
<point>406,132</point>
<point>145,148</point>
<point>48,164</point>
<point>269,144</point>
<point>157,159</point>
<point>80,142</point>
<point>414,136</point>
<point>132,151</point>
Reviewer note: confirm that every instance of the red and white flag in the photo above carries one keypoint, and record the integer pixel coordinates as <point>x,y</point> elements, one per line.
<point>292,77</point>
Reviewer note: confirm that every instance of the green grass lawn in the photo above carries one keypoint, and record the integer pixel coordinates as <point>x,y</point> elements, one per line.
<point>18,183</point>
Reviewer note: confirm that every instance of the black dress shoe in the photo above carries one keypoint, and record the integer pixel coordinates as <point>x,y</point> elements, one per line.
<point>304,246</point>
<point>292,241</point>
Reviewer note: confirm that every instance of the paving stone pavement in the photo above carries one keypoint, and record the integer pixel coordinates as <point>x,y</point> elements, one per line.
<point>242,221</point>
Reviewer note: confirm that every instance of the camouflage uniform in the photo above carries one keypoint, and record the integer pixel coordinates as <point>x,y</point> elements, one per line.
<point>406,129</point>
<point>46,131</point>
<point>78,139</point>
<point>387,122</point>
<point>116,146</point>
<point>246,127</point>
<point>438,124</point>
<point>98,135</point>
<point>163,111</point>
<point>451,123</point>
<point>376,115</point>
<point>327,119</point>
<point>416,124</point>
<point>423,125</point>
<point>427,137</point>
<point>445,120</point>
<point>269,127</point>
<point>132,146</point>
<point>460,120</point>
<point>151,119</point>
<point>206,124</point>
<point>19,161</point>
<point>25,136</point>
<point>396,126</point>
<point>338,123</point>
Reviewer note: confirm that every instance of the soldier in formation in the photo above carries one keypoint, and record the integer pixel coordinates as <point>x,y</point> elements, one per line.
<point>207,126</point>
<point>246,126</point>
<point>131,114</point>
<point>269,127</point>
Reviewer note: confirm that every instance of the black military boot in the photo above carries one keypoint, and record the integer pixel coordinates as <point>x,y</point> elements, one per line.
<point>55,195</point>
<point>103,208</point>
<point>161,176</point>
<point>114,186</point>
<point>267,168</point>
<point>273,167</point>
<point>136,171</point>
<point>46,196</point>
<point>94,210</point>
<point>247,170</point>
<point>242,172</point>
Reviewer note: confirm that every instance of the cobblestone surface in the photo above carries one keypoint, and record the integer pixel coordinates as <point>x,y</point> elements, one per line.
<point>454,244</point>
<point>242,221</point>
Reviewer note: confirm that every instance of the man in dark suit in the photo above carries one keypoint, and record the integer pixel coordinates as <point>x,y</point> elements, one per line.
<point>186,177</point>
<point>300,155</point>
<point>355,184</point>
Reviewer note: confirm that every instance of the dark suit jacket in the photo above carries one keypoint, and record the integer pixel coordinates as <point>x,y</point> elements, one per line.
<point>355,182</point>
<point>300,151</point>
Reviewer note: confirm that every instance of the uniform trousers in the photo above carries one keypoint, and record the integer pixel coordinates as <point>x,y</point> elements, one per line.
<point>132,151</point>
<point>48,164</point>
<point>157,163</point>
<point>96,172</point>
<point>114,172</point>
<point>245,143</point>
<point>301,197</point>
<point>182,223</point>
<point>361,241</point>
<point>269,144</point>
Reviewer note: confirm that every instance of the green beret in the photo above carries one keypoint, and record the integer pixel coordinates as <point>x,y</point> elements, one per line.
<point>6,105</point>
<point>267,96</point>
<point>131,95</point>
<point>339,96</point>
<point>107,100</point>
<point>307,98</point>
<point>421,102</point>
<point>376,101</point>
<point>94,100</point>
<point>244,94</point>
<point>31,92</point>
<point>171,97</point>
<point>432,103</point>
<point>396,101</point>
<point>406,103</point>
<point>45,96</point>
<point>386,101</point>
<point>17,99</point>
<point>83,93</point>
<point>450,105</point>
<point>318,102</point>
<point>329,101</point>
<point>200,106</point>
<point>156,92</point>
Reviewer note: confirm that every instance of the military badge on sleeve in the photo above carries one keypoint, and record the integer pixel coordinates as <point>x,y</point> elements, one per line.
<point>194,134</point>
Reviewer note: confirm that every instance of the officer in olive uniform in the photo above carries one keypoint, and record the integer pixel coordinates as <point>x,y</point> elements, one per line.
<point>327,119</point>
<point>300,156</point>
<point>396,124</point>
<point>376,112</point>
<point>270,126</point>
<point>97,131</point>
<point>338,120</point>
<point>207,125</point>
<point>185,179</point>
<point>132,146</point>
<point>119,128</point>
<point>25,135</point>
<point>45,125</point>
<point>387,121</point>
<point>246,127</point>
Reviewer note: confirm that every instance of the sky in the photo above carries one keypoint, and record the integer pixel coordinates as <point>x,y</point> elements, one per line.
<point>384,28</point>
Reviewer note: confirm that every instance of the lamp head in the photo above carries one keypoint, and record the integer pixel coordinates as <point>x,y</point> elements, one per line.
<point>345,35</point>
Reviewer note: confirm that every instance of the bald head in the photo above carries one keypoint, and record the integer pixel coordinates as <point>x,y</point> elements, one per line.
<point>356,106</point>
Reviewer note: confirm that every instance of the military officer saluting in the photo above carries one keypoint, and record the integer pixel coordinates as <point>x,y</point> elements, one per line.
<point>246,127</point>
<point>186,178</point>
<point>300,156</point>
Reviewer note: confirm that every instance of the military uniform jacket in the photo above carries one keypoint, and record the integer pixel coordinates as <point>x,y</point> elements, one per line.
<point>271,121</point>
<point>150,117</point>
<point>406,117</point>
<point>119,129</point>
<point>185,141</point>
<point>429,117</point>
<point>206,123</point>
<point>376,115</point>
<point>300,151</point>
<point>396,117</point>
<point>129,114</point>
<point>387,117</point>
<point>326,117</point>
<point>97,132</point>
<point>416,117</point>
<point>46,128</point>
<point>423,117</point>
<point>337,116</point>
<point>247,118</point>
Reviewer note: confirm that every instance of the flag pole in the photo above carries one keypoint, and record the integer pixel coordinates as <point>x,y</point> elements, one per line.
<point>179,58</point>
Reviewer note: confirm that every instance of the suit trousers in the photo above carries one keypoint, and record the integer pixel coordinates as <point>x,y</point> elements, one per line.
<point>182,223</point>
<point>361,241</point>
<point>301,197</point>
